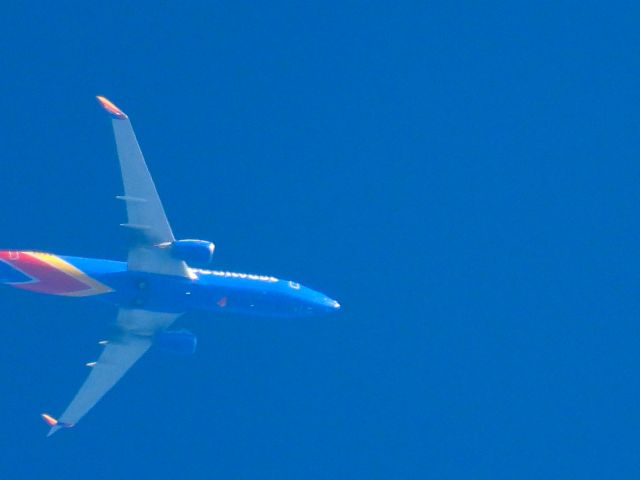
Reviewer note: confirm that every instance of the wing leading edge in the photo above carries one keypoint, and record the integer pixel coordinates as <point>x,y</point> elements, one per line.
<point>137,328</point>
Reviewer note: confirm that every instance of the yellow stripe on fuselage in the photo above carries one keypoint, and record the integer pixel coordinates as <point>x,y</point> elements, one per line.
<point>94,287</point>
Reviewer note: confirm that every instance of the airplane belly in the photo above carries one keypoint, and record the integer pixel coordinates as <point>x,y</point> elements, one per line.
<point>168,293</point>
<point>150,291</point>
<point>165,293</point>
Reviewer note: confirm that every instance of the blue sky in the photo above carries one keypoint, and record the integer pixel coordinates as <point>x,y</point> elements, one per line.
<point>462,177</point>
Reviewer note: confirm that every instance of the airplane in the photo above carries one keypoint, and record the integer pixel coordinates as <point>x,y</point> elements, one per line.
<point>162,279</point>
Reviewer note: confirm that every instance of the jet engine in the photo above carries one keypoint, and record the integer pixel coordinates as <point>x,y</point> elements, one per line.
<point>194,252</point>
<point>182,342</point>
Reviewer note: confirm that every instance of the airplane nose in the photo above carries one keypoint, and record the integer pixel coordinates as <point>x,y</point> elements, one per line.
<point>330,304</point>
<point>315,303</point>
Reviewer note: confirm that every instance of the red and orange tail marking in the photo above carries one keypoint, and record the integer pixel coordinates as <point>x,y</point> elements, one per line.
<point>50,274</point>
<point>111,108</point>
<point>49,419</point>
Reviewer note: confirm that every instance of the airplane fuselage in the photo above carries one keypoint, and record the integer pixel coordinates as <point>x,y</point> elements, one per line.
<point>154,287</point>
<point>207,290</point>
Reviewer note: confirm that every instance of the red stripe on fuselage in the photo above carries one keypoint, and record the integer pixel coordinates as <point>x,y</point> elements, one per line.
<point>46,278</point>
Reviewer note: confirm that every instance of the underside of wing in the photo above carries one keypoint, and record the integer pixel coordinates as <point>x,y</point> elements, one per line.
<point>136,330</point>
<point>147,221</point>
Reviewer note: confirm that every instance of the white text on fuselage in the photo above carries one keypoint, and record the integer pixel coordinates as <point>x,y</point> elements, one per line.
<point>250,276</point>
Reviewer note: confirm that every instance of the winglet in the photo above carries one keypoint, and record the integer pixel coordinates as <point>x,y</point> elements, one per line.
<point>54,424</point>
<point>49,419</point>
<point>114,111</point>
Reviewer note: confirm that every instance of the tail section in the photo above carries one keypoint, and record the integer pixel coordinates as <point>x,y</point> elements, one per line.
<point>47,273</point>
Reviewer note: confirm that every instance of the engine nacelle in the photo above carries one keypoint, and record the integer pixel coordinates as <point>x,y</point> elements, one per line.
<point>194,252</point>
<point>182,342</point>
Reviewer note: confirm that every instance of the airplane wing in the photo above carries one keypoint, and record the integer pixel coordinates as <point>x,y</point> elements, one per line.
<point>136,331</point>
<point>146,218</point>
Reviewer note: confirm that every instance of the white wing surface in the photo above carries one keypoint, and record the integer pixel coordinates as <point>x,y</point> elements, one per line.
<point>146,218</point>
<point>136,330</point>
<point>150,227</point>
